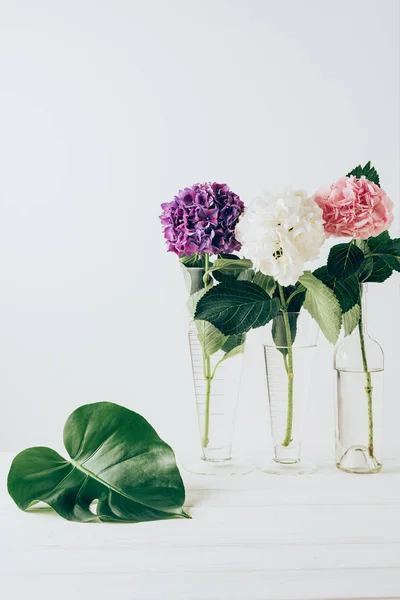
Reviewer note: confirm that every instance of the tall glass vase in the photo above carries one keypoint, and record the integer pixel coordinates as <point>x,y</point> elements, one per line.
<point>359,365</point>
<point>216,379</point>
<point>288,344</point>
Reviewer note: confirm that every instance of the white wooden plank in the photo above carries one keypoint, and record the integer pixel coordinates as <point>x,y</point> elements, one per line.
<point>327,493</point>
<point>157,559</point>
<point>382,584</point>
<point>217,526</point>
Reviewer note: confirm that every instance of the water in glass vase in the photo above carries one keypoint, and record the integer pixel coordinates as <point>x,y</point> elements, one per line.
<point>216,379</point>
<point>288,364</point>
<point>359,364</point>
<point>357,442</point>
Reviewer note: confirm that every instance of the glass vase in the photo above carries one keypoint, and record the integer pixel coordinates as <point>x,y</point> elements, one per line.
<point>288,344</point>
<point>216,379</point>
<point>359,364</point>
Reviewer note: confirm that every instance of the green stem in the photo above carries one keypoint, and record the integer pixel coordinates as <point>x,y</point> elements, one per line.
<point>206,268</point>
<point>286,363</point>
<point>207,370</point>
<point>368,388</point>
<point>208,379</point>
<point>289,369</point>
<point>299,290</point>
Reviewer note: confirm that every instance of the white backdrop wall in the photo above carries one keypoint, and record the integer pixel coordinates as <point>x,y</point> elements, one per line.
<point>107,107</point>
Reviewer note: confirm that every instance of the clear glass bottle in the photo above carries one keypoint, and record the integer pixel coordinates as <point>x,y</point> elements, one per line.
<point>359,365</point>
<point>217,362</point>
<point>288,364</point>
<point>216,381</point>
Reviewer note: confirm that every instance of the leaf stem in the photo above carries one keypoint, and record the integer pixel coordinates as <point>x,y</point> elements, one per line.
<point>368,387</point>
<point>288,368</point>
<point>299,290</point>
<point>286,363</point>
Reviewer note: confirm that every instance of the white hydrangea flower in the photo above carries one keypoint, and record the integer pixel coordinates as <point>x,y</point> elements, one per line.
<point>280,232</point>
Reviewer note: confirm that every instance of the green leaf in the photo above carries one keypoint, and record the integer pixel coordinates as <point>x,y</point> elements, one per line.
<point>297,301</point>
<point>116,458</point>
<point>396,247</point>
<point>392,261</point>
<point>350,319</point>
<point>357,172</point>
<point>194,298</point>
<point>344,260</point>
<point>224,277</point>
<point>237,307</point>
<point>193,261</point>
<point>234,352</point>
<point>380,246</point>
<point>233,341</point>
<point>346,291</point>
<point>386,252</point>
<point>368,171</point>
<point>380,243</point>
<point>266,282</point>
<point>231,266</point>
<point>371,173</point>
<point>322,305</point>
<point>380,272</point>
<point>233,346</point>
<point>231,354</point>
<point>193,278</point>
<point>362,244</point>
<point>366,269</point>
<point>230,256</point>
<point>210,338</point>
<point>279,331</point>
<point>294,296</point>
<point>246,275</point>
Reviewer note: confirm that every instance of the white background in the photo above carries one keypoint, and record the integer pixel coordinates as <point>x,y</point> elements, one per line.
<point>106,109</point>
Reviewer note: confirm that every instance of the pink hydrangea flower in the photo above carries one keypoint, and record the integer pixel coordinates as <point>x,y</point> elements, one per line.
<point>355,208</point>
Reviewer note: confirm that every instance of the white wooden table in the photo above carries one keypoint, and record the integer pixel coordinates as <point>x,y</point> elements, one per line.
<point>254,537</point>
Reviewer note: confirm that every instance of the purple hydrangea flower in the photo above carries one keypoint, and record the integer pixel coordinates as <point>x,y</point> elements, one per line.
<point>202,219</point>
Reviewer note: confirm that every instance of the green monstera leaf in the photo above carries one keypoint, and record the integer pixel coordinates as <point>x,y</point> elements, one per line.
<point>119,470</point>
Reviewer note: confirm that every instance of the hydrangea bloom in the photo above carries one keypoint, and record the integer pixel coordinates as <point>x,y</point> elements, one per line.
<point>356,208</point>
<point>280,232</point>
<point>202,219</point>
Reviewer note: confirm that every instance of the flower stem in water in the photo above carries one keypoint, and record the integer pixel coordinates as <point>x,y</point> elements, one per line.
<point>289,370</point>
<point>207,375</point>
<point>208,379</point>
<point>368,388</point>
